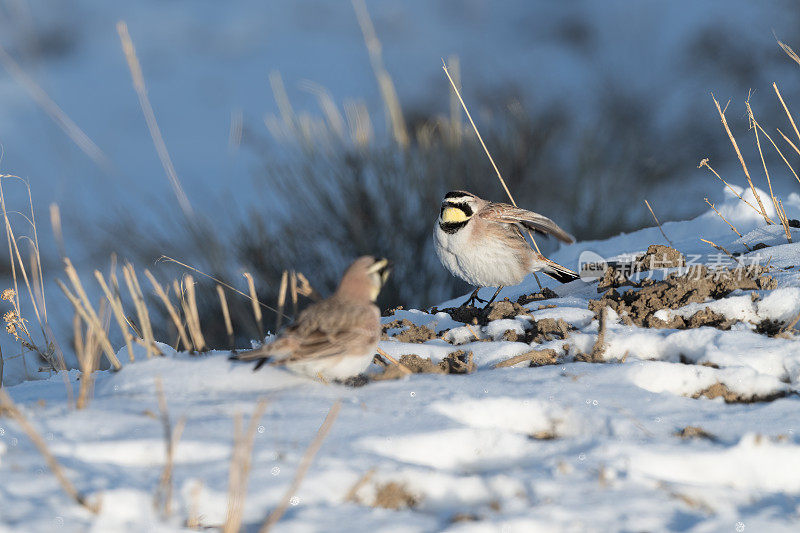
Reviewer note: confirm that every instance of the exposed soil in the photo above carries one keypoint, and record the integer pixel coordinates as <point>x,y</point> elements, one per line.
<point>458,362</point>
<point>720,390</point>
<point>480,316</point>
<point>660,256</point>
<point>638,304</point>
<point>544,294</point>
<point>543,330</point>
<point>694,432</point>
<point>393,495</point>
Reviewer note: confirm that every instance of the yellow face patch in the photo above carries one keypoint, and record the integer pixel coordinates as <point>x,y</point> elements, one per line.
<point>453,214</point>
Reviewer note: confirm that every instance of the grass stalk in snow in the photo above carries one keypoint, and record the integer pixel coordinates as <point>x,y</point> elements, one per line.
<point>189,305</point>
<point>388,92</point>
<point>150,118</point>
<point>87,350</point>
<point>256,309</point>
<point>704,163</point>
<point>724,120</point>
<point>281,299</point>
<point>721,249</point>
<point>163,496</point>
<point>10,408</point>
<point>736,231</point>
<point>132,282</point>
<point>171,311</point>
<point>275,516</point>
<point>240,467</point>
<point>226,315</point>
<point>119,313</point>
<point>394,361</point>
<point>657,222</point>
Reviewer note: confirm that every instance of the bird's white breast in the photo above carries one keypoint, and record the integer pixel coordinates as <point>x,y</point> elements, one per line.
<point>488,263</point>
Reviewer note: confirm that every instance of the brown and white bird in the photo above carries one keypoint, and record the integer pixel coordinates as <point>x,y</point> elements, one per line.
<point>337,337</point>
<point>482,242</point>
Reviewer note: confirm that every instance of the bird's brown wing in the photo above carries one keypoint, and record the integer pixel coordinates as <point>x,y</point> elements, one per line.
<point>524,219</point>
<point>321,332</point>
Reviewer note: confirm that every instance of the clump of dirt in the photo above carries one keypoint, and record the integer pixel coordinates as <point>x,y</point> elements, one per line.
<point>544,294</point>
<point>659,256</point>
<point>390,312</point>
<point>535,357</point>
<point>720,390</point>
<point>394,324</point>
<point>639,304</point>
<point>458,362</point>
<point>417,334</point>
<point>480,316</point>
<point>543,330</point>
<point>694,432</point>
<point>393,495</point>
<point>543,435</point>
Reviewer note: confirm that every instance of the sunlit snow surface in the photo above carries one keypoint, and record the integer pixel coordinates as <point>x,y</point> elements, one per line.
<point>461,444</point>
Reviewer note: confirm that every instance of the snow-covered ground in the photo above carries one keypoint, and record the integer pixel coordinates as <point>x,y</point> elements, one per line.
<point>631,442</point>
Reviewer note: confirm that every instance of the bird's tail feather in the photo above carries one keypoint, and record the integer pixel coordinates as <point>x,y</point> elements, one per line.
<point>559,273</point>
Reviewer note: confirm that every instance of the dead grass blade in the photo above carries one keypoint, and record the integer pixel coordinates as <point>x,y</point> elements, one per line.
<point>388,92</point>
<point>192,316</point>
<point>724,120</point>
<point>150,118</point>
<point>240,467</point>
<point>119,313</point>
<point>281,299</point>
<point>163,496</point>
<point>302,470</point>
<point>657,222</point>
<point>736,231</point>
<point>56,114</point>
<point>13,411</point>
<point>226,315</point>
<point>485,149</point>
<point>256,309</point>
<point>788,113</point>
<point>173,314</point>
<point>403,368</point>
<point>132,282</point>
<point>704,163</point>
<point>721,249</point>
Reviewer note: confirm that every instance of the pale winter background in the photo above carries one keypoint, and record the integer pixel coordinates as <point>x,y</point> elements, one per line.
<point>278,129</point>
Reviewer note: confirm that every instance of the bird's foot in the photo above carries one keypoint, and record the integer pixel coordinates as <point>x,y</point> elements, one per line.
<point>473,298</point>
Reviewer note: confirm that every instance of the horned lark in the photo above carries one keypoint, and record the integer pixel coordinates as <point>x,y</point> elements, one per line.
<point>482,242</point>
<point>337,337</point>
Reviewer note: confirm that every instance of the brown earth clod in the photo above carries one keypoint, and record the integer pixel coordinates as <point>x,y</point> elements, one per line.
<point>720,390</point>
<point>393,495</point>
<point>694,432</point>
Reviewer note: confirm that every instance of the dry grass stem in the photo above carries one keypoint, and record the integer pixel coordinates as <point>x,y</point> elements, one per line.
<point>362,481</point>
<point>84,308</point>
<point>304,288</point>
<point>226,285</point>
<point>657,222</point>
<point>704,163</point>
<point>511,361</point>
<point>736,231</point>
<point>293,291</point>
<point>171,311</point>
<point>485,149</point>
<point>240,467</point>
<point>786,109</point>
<point>788,49</point>
<point>251,285</point>
<point>150,117</point>
<point>403,368</point>
<point>780,153</point>
<point>599,348</point>
<point>13,411</point>
<point>281,299</point>
<point>388,92</point>
<point>56,114</point>
<point>764,163</point>
<point>192,315</point>
<point>163,495</point>
<point>132,282</point>
<point>721,249</point>
<point>118,311</point>
<point>305,463</point>
<point>226,315</point>
<point>88,354</point>
<point>724,120</point>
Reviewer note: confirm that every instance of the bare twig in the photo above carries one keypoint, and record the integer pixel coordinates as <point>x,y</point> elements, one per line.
<point>13,411</point>
<point>305,463</point>
<point>657,222</point>
<point>150,118</point>
<point>240,467</point>
<point>56,114</point>
<point>403,368</point>
<point>163,495</point>
<point>721,112</point>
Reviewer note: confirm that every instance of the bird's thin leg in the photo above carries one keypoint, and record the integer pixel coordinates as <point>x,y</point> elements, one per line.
<point>500,288</point>
<point>473,298</point>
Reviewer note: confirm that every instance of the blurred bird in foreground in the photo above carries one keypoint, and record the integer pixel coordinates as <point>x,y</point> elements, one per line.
<point>336,338</point>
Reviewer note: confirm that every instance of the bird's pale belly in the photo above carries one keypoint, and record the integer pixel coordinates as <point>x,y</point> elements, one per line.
<point>490,265</point>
